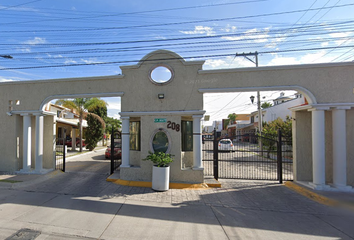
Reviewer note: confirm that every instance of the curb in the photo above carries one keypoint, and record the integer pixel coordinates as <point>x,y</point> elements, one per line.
<point>317,197</point>
<point>186,186</point>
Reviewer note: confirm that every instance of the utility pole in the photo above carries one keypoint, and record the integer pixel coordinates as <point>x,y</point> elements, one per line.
<point>260,115</point>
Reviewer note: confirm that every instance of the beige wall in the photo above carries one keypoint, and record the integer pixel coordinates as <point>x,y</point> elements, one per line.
<point>142,170</point>
<point>350,147</point>
<point>329,146</point>
<point>302,146</point>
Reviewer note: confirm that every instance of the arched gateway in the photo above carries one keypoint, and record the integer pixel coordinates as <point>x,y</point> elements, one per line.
<point>323,130</point>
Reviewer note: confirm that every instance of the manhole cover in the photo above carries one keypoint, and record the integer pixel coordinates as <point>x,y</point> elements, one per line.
<point>24,234</point>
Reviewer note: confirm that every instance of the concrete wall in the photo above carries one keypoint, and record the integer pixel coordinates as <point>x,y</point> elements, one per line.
<point>350,147</point>
<point>180,168</point>
<point>302,146</point>
<point>329,146</point>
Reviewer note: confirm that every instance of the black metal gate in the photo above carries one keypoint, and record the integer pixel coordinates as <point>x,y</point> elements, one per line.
<point>60,152</point>
<point>116,150</point>
<point>240,157</point>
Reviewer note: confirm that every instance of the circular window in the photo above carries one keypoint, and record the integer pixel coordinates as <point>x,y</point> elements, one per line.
<point>160,141</point>
<point>161,74</point>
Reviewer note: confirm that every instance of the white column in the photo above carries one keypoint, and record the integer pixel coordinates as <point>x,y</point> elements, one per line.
<point>339,147</point>
<point>39,143</point>
<point>197,142</point>
<point>73,139</point>
<point>125,142</point>
<point>26,142</point>
<point>318,149</point>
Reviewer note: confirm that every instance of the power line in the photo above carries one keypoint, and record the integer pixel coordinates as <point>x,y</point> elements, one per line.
<point>14,6</point>
<point>169,59</point>
<point>148,11</point>
<point>201,21</point>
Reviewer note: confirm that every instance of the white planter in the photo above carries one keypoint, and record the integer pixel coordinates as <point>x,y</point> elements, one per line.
<point>160,178</point>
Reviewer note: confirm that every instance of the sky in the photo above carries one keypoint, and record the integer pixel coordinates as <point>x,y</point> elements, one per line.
<point>65,39</point>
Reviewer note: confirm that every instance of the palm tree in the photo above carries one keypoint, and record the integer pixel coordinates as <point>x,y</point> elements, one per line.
<point>81,106</point>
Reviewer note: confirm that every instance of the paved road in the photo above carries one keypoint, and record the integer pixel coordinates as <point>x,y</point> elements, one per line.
<point>80,204</point>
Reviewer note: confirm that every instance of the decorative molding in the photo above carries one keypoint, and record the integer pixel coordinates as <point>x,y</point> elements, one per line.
<point>310,97</point>
<point>283,67</point>
<point>162,113</point>
<point>83,95</point>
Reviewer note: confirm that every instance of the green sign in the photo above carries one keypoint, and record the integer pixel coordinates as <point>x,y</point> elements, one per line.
<point>160,120</point>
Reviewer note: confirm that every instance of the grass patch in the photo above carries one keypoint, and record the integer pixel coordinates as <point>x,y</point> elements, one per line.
<point>9,181</point>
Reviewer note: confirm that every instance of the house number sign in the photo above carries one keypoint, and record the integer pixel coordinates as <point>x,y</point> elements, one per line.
<point>173,126</point>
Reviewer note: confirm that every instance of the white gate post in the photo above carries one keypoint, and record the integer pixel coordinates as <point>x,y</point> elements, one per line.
<point>26,142</point>
<point>125,142</point>
<point>318,149</point>
<point>197,143</point>
<point>39,142</point>
<point>339,148</point>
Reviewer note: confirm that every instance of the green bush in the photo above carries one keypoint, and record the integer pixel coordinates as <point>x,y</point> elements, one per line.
<point>160,159</point>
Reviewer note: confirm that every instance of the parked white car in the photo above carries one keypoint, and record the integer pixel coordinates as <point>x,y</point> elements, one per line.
<point>225,145</point>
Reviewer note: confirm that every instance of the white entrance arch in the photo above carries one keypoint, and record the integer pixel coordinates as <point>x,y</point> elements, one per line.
<point>318,156</point>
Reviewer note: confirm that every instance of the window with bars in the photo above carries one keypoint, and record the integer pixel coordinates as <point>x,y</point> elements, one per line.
<point>134,132</point>
<point>187,135</point>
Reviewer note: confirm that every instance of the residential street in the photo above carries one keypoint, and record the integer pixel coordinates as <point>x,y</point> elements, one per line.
<point>81,204</point>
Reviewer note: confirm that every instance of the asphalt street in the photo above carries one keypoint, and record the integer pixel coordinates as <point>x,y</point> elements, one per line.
<point>81,204</point>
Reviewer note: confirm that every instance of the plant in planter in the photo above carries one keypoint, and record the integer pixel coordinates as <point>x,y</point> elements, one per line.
<point>160,170</point>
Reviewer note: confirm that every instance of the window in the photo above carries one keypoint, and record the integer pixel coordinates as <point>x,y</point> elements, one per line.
<point>160,142</point>
<point>187,135</point>
<point>161,74</point>
<point>134,129</point>
<point>60,130</point>
<point>58,113</point>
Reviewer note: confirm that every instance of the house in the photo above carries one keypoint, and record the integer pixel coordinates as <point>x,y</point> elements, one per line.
<point>67,123</point>
<point>281,107</point>
<point>240,119</point>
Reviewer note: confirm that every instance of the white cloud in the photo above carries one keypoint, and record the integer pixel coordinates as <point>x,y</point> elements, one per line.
<point>89,61</point>
<point>2,79</point>
<point>200,30</point>
<point>36,40</point>
<point>252,35</point>
<point>70,61</point>
<point>229,28</point>
<point>317,57</point>
<point>324,44</point>
<point>228,62</point>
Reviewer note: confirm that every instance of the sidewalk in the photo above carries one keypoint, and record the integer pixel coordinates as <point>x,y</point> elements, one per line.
<point>84,205</point>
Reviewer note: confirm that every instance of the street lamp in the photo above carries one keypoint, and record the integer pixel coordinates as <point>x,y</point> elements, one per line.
<point>260,117</point>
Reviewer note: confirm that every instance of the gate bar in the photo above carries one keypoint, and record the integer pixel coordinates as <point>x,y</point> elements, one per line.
<point>216,156</point>
<point>112,151</point>
<point>280,157</point>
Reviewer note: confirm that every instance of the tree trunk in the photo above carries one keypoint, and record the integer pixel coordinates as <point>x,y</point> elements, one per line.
<point>80,141</point>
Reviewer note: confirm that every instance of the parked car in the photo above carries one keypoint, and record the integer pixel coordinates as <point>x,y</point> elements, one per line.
<point>68,142</point>
<point>117,151</point>
<point>225,145</point>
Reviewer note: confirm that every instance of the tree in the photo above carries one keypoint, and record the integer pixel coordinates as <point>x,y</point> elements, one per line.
<point>266,105</point>
<point>270,133</point>
<point>81,106</point>
<point>96,127</point>
<point>232,117</point>
<point>94,131</point>
<point>112,122</point>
